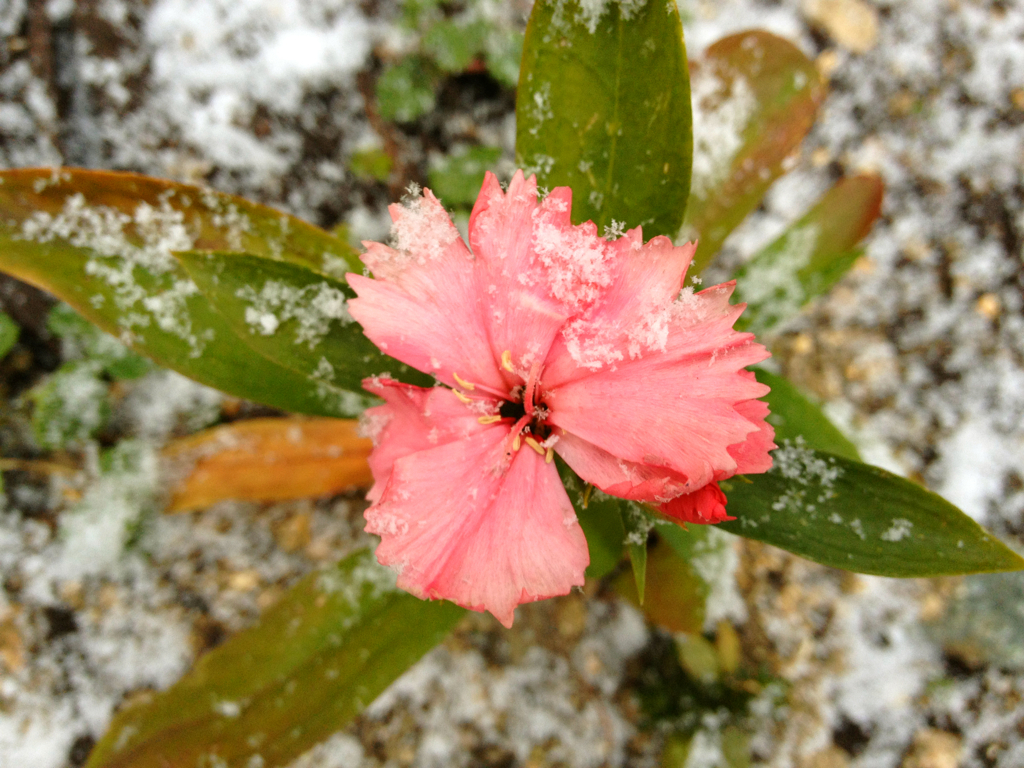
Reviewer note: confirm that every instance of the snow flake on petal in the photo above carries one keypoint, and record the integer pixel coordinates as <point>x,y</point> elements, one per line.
<point>578,265</point>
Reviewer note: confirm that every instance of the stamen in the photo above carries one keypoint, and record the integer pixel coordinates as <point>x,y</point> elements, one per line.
<point>463,383</point>
<point>586,495</point>
<point>462,397</point>
<point>493,419</point>
<point>506,361</point>
<point>515,436</point>
<point>549,455</point>
<point>535,445</point>
<point>531,388</point>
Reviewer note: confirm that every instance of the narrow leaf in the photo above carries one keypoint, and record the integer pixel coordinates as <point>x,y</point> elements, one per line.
<point>811,256</point>
<point>296,318</point>
<point>849,515</point>
<point>637,524</point>
<point>312,663</point>
<point>82,236</point>
<point>603,106</point>
<point>755,97</point>
<point>675,595</point>
<point>795,416</point>
<point>268,460</point>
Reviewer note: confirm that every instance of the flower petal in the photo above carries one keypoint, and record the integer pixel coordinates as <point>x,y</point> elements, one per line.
<point>455,526</point>
<point>704,506</point>
<point>752,455</point>
<point>522,316</point>
<point>618,477</point>
<point>424,308</point>
<point>412,419</point>
<point>632,315</point>
<point>677,408</point>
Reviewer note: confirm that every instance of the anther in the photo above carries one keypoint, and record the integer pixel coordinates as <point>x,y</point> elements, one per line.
<point>462,383</point>
<point>535,445</point>
<point>506,361</point>
<point>516,443</point>
<point>493,419</point>
<point>549,455</point>
<point>462,397</point>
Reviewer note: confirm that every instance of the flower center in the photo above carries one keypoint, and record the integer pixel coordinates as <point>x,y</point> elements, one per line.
<point>523,407</point>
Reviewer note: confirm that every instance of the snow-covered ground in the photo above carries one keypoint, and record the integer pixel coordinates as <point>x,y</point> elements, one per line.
<point>920,351</point>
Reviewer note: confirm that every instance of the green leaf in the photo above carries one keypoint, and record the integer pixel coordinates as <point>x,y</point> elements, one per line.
<point>811,256</point>
<point>504,51</point>
<point>675,594</point>
<point>103,243</point>
<point>9,332</point>
<point>82,339</point>
<point>601,520</point>
<point>603,106</point>
<point>70,405</point>
<point>161,216</point>
<point>457,178</point>
<point>454,45</point>
<point>406,90</point>
<point>373,164</point>
<point>849,515</point>
<point>295,318</point>
<point>312,663</point>
<point>794,415</point>
<point>755,97</point>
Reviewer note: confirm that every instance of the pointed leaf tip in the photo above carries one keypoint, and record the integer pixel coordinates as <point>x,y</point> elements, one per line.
<point>849,515</point>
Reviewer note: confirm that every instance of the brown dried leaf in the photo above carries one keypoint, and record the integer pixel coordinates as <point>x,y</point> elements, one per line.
<point>268,460</point>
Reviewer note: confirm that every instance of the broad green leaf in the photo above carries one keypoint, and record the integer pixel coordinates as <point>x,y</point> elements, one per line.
<point>601,520</point>
<point>9,331</point>
<point>456,179</point>
<point>296,318</point>
<point>794,415</point>
<point>603,106</point>
<point>755,97</point>
<point>126,209</point>
<point>811,256</point>
<point>312,663</point>
<point>103,243</point>
<point>849,515</point>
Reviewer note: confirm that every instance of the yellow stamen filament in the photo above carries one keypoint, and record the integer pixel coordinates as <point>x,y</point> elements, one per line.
<point>586,495</point>
<point>494,419</point>
<point>516,443</point>
<point>506,361</point>
<point>549,456</point>
<point>462,397</point>
<point>462,383</point>
<point>535,445</point>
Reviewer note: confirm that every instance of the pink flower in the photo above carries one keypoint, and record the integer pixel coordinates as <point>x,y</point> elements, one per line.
<point>549,339</point>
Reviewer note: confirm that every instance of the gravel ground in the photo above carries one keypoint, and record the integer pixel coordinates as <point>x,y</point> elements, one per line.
<point>919,353</point>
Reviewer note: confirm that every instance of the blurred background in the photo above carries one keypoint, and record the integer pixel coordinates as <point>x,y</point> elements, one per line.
<point>329,109</point>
